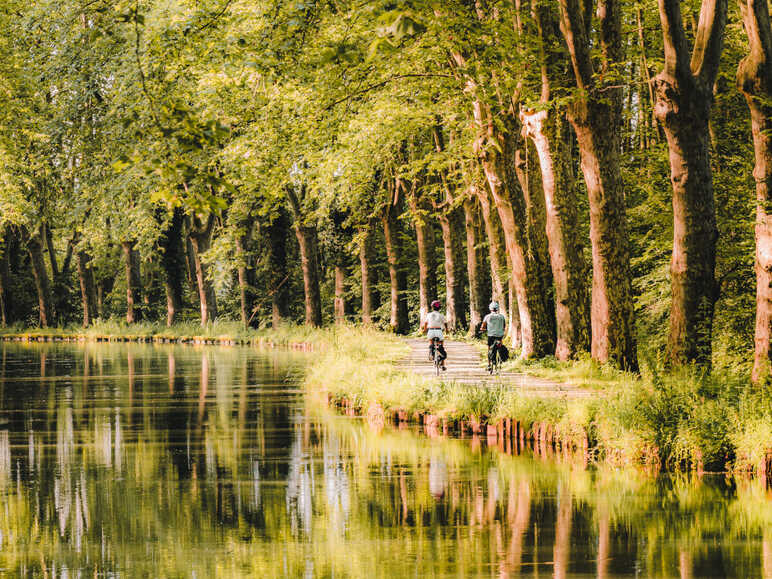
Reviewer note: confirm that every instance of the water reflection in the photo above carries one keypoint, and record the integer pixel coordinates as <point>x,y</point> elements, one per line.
<point>129,460</point>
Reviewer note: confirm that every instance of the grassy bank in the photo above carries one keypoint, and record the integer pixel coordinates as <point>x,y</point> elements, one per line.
<point>677,421</point>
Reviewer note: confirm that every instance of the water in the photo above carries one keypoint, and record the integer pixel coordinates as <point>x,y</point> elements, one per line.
<point>169,461</point>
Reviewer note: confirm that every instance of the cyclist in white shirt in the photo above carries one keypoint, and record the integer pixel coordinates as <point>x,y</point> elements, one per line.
<point>434,325</point>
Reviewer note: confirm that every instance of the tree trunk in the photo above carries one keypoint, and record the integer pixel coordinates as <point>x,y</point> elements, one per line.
<point>3,285</point>
<point>4,279</point>
<point>477,268</point>
<point>754,77</point>
<point>278,275</point>
<point>49,238</point>
<point>452,225</point>
<point>309,258</point>
<point>42,284</point>
<point>424,235</point>
<point>133,281</point>
<point>87,288</point>
<point>246,291</point>
<point>548,132</point>
<point>367,272</point>
<point>684,95</point>
<point>515,328</point>
<point>536,325</point>
<point>173,263</point>
<point>496,251</point>
<point>398,319</point>
<point>529,177</point>
<point>309,255</point>
<point>596,117</point>
<point>340,294</point>
<point>200,234</point>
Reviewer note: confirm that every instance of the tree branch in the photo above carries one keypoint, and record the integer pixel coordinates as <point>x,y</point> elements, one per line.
<point>378,85</point>
<point>676,48</point>
<point>573,28</point>
<point>710,40</point>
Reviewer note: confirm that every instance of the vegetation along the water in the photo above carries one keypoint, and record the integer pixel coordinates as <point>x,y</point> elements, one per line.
<point>602,172</point>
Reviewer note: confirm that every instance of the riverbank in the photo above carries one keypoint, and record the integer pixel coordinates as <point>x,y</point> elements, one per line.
<point>675,421</point>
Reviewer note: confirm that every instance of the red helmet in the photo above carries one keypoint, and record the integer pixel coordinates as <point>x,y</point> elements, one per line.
<point>436,305</point>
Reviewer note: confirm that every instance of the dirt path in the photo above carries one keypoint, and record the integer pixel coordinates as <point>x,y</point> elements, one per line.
<point>465,365</point>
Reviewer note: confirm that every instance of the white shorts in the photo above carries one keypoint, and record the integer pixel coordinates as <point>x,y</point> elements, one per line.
<point>434,333</point>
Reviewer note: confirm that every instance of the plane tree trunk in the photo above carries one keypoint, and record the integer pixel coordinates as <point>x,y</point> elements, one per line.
<point>754,77</point>
<point>309,258</point>
<point>200,235</point>
<point>478,272</point>
<point>595,114</point>
<point>684,95</point>
<point>133,282</point>
<point>173,263</point>
<point>398,319</point>
<point>424,234</point>
<point>549,133</point>
<point>276,234</point>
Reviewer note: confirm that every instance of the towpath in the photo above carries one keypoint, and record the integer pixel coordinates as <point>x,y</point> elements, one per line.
<point>465,365</point>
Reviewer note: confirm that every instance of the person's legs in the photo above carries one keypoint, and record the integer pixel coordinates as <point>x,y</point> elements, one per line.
<point>443,353</point>
<point>491,349</point>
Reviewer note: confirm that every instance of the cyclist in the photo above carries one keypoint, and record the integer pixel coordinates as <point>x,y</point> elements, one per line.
<point>496,325</point>
<point>433,326</point>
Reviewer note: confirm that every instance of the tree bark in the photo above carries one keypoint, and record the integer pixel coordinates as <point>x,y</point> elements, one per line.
<point>684,95</point>
<point>529,177</point>
<point>309,256</point>
<point>3,285</point>
<point>87,288</point>
<point>340,295</point>
<point>478,272</point>
<point>497,256</point>
<point>451,220</point>
<point>452,226</point>
<point>754,78</point>
<point>49,238</point>
<point>497,153</point>
<point>42,283</point>
<point>200,234</point>
<point>309,259</point>
<point>133,282</point>
<point>548,133</point>
<point>278,275</point>
<point>596,116</point>
<point>246,287</point>
<point>424,235</point>
<point>367,273</point>
<point>173,263</point>
<point>398,319</point>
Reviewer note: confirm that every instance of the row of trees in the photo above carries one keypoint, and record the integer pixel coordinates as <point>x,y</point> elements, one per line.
<point>469,149</point>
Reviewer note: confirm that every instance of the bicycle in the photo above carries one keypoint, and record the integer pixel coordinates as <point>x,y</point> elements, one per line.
<point>494,358</point>
<point>434,350</point>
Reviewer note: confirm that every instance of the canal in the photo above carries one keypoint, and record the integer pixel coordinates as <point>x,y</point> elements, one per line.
<point>136,460</point>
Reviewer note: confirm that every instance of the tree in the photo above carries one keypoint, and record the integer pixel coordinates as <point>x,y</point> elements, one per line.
<point>684,94</point>
<point>595,114</point>
<point>754,78</point>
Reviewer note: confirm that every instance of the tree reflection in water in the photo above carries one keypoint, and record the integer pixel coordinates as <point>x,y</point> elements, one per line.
<point>168,461</point>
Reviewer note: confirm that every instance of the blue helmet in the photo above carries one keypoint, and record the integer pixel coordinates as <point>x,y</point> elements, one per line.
<point>494,306</point>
